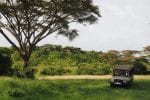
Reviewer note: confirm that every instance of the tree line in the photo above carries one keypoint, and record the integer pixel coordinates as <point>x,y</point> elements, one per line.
<point>57,60</point>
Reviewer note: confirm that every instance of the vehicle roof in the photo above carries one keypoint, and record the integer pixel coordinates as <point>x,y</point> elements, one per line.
<point>124,67</point>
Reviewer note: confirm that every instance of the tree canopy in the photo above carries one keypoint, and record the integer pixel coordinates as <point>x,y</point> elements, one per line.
<point>30,21</point>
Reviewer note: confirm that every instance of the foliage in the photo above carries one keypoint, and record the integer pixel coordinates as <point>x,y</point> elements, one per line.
<point>5,64</point>
<point>56,60</point>
<point>27,73</point>
<point>88,69</point>
<point>30,21</point>
<point>139,68</point>
<point>54,71</point>
<point>5,50</point>
<point>112,57</point>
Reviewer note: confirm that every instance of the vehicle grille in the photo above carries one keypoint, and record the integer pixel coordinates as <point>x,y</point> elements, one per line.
<point>118,80</point>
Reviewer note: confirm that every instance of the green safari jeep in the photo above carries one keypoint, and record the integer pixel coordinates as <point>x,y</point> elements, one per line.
<point>122,75</point>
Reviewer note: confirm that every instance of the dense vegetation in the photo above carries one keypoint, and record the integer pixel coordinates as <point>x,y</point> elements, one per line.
<point>58,60</point>
<point>22,89</point>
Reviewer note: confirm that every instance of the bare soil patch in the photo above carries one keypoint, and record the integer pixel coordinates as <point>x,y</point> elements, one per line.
<point>88,77</point>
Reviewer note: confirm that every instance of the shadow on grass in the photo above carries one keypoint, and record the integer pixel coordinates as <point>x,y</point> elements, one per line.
<point>141,85</point>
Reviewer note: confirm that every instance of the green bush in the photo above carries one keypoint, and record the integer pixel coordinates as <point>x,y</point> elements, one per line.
<point>93,70</point>
<point>105,70</point>
<point>86,70</point>
<point>54,71</point>
<point>139,68</point>
<point>16,92</point>
<point>28,73</point>
<point>19,73</point>
<point>5,64</point>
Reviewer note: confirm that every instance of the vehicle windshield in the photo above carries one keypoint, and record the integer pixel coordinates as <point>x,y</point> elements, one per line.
<point>123,73</point>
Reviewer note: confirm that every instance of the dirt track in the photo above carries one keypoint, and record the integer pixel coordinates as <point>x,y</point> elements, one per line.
<point>89,77</point>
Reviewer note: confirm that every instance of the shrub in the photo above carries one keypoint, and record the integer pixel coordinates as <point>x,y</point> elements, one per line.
<point>105,70</point>
<point>93,70</point>
<point>86,70</point>
<point>28,73</point>
<point>16,92</point>
<point>19,73</point>
<point>54,71</point>
<point>5,64</point>
<point>139,68</point>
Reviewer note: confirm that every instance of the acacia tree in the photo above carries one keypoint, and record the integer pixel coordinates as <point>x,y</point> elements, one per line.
<point>128,56</point>
<point>112,57</point>
<point>30,21</point>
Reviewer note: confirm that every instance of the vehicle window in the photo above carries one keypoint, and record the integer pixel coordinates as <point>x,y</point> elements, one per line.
<point>121,73</point>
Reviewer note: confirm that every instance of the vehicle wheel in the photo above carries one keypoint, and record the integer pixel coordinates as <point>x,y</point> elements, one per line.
<point>112,85</point>
<point>126,86</point>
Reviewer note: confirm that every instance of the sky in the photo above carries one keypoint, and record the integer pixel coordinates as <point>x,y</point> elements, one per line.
<point>124,25</point>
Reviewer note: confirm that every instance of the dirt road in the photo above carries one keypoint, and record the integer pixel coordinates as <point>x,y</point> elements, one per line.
<point>88,77</point>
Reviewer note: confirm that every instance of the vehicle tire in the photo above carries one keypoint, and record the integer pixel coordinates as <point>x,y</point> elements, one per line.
<point>112,85</point>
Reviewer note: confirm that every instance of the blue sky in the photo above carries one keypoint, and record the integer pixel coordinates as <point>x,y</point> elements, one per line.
<point>125,24</point>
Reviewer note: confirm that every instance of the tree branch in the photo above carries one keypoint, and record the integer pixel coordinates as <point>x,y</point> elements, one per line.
<point>9,40</point>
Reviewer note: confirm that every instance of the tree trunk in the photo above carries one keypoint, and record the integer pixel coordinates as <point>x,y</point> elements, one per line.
<point>25,62</point>
<point>27,71</point>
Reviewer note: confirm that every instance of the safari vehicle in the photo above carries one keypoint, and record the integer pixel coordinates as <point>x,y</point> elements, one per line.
<point>122,75</point>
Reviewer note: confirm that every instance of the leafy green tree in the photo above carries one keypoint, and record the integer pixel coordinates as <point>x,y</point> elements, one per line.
<point>30,21</point>
<point>112,56</point>
<point>139,68</point>
<point>128,56</point>
<point>7,51</point>
<point>147,49</point>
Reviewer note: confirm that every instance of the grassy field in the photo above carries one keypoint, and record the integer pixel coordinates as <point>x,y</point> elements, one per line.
<point>23,89</point>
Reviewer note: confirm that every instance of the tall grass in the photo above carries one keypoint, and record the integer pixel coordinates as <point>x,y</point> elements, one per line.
<point>71,90</point>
